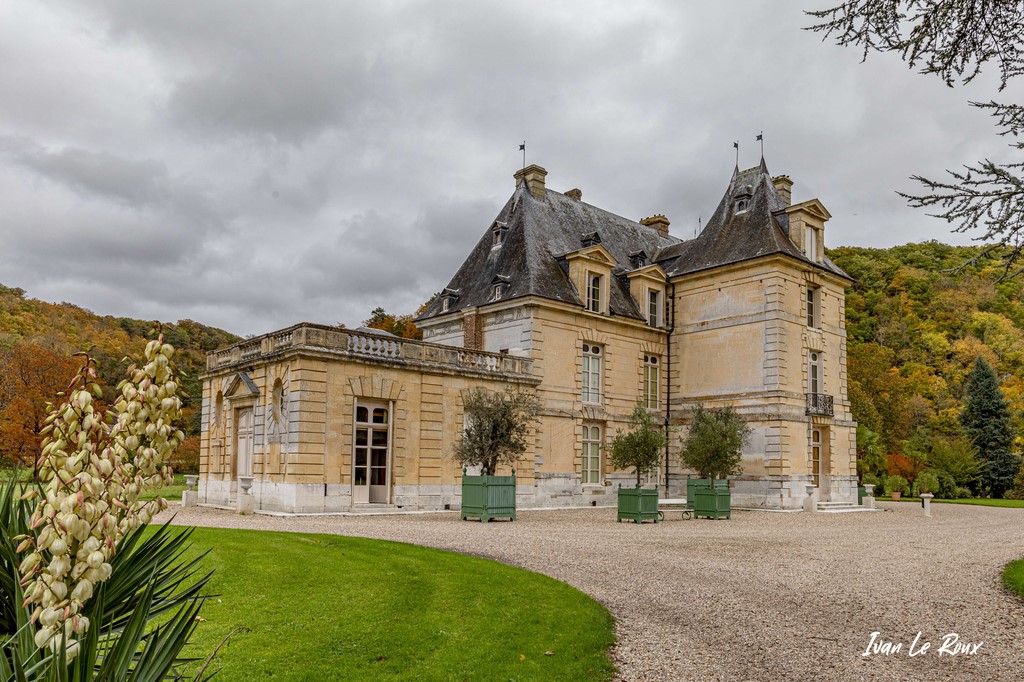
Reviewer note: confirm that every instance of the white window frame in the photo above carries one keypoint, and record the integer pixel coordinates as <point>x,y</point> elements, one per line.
<point>811,242</point>
<point>815,380</point>
<point>591,371</point>
<point>652,381</point>
<point>595,284</point>
<point>497,291</point>
<point>593,444</point>
<point>654,300</point>
<point>814,307</point>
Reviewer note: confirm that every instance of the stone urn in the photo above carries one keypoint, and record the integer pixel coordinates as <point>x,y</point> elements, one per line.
<point>245,483</point>
<point>190,481</point>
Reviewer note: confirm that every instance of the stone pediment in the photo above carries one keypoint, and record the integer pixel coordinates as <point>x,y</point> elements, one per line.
<point>241,386</point>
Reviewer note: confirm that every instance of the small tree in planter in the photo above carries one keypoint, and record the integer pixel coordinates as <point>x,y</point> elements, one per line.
<point>639,448</point>
<point>713,448</point>
<point>497,430</point>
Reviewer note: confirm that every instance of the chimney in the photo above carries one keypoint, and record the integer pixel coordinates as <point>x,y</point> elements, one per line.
<point>576,194</point>
<point>784,186</point>
<point>534,177</point>
<point>658,222</point>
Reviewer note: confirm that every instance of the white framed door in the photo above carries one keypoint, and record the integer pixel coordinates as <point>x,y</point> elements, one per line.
<point>243,441</point>
<point>371,456</point>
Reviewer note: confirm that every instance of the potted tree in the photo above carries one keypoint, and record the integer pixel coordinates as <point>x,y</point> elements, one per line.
<point>497,426</point>
<point>713,448</point>
<point>638,448</point>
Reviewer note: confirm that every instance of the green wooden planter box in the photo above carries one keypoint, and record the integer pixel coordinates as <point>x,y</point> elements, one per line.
<point>489,497</point>
<point>860,496</point>
<point>638,505</point>
<point>708,502</point>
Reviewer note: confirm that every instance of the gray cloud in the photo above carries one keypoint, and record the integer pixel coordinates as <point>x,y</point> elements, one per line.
<point>251,165</point>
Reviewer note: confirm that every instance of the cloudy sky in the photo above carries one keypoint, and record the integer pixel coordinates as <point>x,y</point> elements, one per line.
<point>255,164</point>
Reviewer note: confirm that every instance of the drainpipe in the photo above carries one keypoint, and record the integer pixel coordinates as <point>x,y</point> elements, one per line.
<point>671,314</point>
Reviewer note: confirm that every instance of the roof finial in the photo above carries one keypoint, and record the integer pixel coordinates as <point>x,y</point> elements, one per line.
<point>522,148</point>
<point>736,144</point>
<point>760,138</point>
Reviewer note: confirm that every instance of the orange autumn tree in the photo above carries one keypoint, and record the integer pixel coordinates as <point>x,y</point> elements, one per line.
<point>30,377</point>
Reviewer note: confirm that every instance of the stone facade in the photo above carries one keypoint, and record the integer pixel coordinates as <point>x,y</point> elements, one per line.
<point>326,419</point>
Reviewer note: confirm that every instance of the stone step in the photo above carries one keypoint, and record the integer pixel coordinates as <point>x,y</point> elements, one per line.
<point>837,507</point>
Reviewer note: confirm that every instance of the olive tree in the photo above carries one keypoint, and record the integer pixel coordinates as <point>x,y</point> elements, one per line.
<point>713,447</point>
<point>641,446</point>
<point>497,427</point>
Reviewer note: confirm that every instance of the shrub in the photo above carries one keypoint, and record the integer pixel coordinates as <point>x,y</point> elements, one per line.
<point>927,482</point>
<point>962,493</point>
<point>897,484</point>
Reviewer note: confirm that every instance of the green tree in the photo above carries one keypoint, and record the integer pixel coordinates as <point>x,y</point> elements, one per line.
<point>641,446</point>
<point>497,427</point>
<point>713,447</point>
<point>953,39</point>
<point>986,419</point>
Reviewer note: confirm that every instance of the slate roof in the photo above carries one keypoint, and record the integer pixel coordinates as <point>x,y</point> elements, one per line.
<point>540,232</point>
<point>732,237</point>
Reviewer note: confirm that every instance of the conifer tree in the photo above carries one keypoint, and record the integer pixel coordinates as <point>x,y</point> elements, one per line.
<point>986,419</point>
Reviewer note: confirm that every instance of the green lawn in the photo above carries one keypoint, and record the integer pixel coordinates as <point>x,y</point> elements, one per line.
<point>323,607</point>
<point>985,502</point>
<point>170,492</point>
<point>1013,576</point>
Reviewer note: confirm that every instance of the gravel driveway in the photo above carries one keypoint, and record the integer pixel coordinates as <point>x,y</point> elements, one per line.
<point>763,596</point>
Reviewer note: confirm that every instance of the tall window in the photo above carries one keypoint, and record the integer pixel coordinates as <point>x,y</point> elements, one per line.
<point>816,456</point>
<point>813,307</point>
<point>497,291</point>
<point>591,454</point>
<point>654,307</point>
<point>593,292</point>
<point>651,381</point>
<point>591,373</point>
<point>811,242</point>
<point>814,372</point>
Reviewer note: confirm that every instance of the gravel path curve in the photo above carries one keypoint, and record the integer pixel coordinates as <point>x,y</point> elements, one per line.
<point>763,596</point>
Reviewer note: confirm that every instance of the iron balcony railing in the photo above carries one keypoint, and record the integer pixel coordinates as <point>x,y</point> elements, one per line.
<point>819,403</point>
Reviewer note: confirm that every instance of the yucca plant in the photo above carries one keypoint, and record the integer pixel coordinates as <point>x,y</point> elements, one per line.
<point>88,593</point>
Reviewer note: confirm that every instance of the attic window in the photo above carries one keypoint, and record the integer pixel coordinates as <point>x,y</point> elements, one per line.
<point>448,299</point>
<point>498,232</point>
<point>590,239</point>
<point>638,259</point>
<point>741,205</point>
<point>498,287</point>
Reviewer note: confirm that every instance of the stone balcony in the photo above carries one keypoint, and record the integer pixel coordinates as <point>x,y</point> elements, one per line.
<point>369,348</point>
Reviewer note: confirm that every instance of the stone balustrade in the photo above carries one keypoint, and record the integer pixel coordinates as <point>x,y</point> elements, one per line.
<point>366,346</point>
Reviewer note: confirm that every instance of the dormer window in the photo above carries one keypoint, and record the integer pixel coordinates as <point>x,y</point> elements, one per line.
<point>448,299</point>
<point>499,285</point>
<point>741,205</point>
<point>638,259</point>
<point>498,233</point>
<point>590,239</point>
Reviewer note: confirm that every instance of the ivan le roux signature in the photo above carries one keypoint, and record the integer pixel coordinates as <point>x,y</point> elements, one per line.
<point>951,645</point>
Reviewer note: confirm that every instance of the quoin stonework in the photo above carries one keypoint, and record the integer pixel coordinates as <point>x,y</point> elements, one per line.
<point>592,312</point>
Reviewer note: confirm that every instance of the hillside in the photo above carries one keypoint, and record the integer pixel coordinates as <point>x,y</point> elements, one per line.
<point>917,320</point>
<point>37,338</point>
